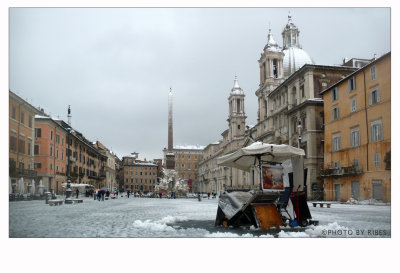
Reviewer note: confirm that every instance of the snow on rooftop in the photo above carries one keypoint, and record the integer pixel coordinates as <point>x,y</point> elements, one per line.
<point>189,147</point>
<point>43,117</point>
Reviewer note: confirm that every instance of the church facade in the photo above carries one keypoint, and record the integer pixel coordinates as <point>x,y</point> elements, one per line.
<point>290,111</point>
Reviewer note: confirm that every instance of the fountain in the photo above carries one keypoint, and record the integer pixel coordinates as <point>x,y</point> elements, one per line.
<point>33,188</point>
<point>41,187</point>
<point>21,186</point>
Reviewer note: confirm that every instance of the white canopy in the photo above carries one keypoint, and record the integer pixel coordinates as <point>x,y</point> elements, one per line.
<point>245,158</point>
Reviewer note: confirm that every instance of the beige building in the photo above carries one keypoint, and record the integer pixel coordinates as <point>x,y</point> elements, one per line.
<point>86,164</point>
<point>138,175</point>
<point>21,141</point>
<point>187,160</point>
<point>110,179</point>
<point>358,134</point>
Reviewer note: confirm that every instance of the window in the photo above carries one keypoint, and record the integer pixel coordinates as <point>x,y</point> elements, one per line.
<point>37,165</point>
<point>183,165</point>
<point>51,166</point>
<point>57,138</point>
<point>377,158</point>
<point>57,153</point>
<point>335,94</point>
<point>355,137</point>
<point>376,131</point>
<point>336,143</point>
<point>336,165</point>
<point>22,117</point>
<point>373,73</point>
<point>62,141</point>
<point>14,112</point>
<point>30,122</point>
<point>36,149</point>
<point>335,113</point>
<point>21,144</point>
<point>189,166</point>
<point>353,104</point>
<point>38,132</point>
<point>51,135</point>
<point>51,150</point>
<point>29,147</point>
<point>13,141</point>
<point>302,91</point>
<point>374,97</point>
<point>352,84</point>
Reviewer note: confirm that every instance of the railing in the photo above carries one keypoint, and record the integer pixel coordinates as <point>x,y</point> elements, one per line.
<point>26,172</point>
<point>343,171</point>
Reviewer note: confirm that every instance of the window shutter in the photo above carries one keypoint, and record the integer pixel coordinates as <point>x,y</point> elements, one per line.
<point>378,96</point>
<point>370,98</point>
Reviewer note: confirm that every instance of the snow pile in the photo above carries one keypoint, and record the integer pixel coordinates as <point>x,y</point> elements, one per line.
<point>152,226</point>
<point>283,234</point>
<point>352,201</point>
<point>329,230</point>
<point>371,201</point>
<point>173,219</point>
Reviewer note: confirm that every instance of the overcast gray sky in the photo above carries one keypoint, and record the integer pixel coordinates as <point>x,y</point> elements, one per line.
<point>115,66</point>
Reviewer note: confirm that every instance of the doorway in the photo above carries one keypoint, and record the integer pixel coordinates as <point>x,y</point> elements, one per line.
<point>337,192</point>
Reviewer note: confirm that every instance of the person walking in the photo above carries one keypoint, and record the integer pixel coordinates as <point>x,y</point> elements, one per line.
<point>98,195</point>
<point>77,193</point>
<point>108,194</point>
<point>127,193</point>
<point>102,195</point>
<point>160,193</point>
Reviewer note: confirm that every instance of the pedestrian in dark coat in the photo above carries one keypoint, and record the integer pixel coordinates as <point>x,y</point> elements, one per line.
<point>102,195</point>
<point>77,193</point>
<point>99,195</point>
<point>127,193</point>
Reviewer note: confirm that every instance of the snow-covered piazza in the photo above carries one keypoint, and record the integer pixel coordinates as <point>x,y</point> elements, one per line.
<point>182,217</point>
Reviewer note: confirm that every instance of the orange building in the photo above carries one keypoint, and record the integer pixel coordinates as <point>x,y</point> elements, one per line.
<point>357,134</point>
<point>21,137</point>
<point>50,153</point>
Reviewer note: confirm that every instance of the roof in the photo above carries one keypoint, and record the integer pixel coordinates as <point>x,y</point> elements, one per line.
<point>308,66</point>
<point>354,73</point>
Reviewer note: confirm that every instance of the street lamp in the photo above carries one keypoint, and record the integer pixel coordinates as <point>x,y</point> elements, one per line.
<point>299,127</point>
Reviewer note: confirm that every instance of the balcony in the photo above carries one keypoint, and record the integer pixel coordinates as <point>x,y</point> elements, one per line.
<point>25,172</point>
<point>343,171</point>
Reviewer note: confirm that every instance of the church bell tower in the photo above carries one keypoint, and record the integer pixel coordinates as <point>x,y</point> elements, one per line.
<point>237,116</point>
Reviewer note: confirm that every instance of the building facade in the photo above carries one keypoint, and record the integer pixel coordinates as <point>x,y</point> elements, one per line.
<point>290,108</point>
<point>139,175</point>
<point>21,141</point>
<point>110,179</point>
<point>85,165</point>
<point>357,134</point>
<point>50,153</point>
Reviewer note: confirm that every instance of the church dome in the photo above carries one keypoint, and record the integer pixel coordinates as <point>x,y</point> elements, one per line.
<point>294,59</point>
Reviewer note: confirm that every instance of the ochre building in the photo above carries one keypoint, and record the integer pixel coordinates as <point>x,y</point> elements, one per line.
<point>357,134</point>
